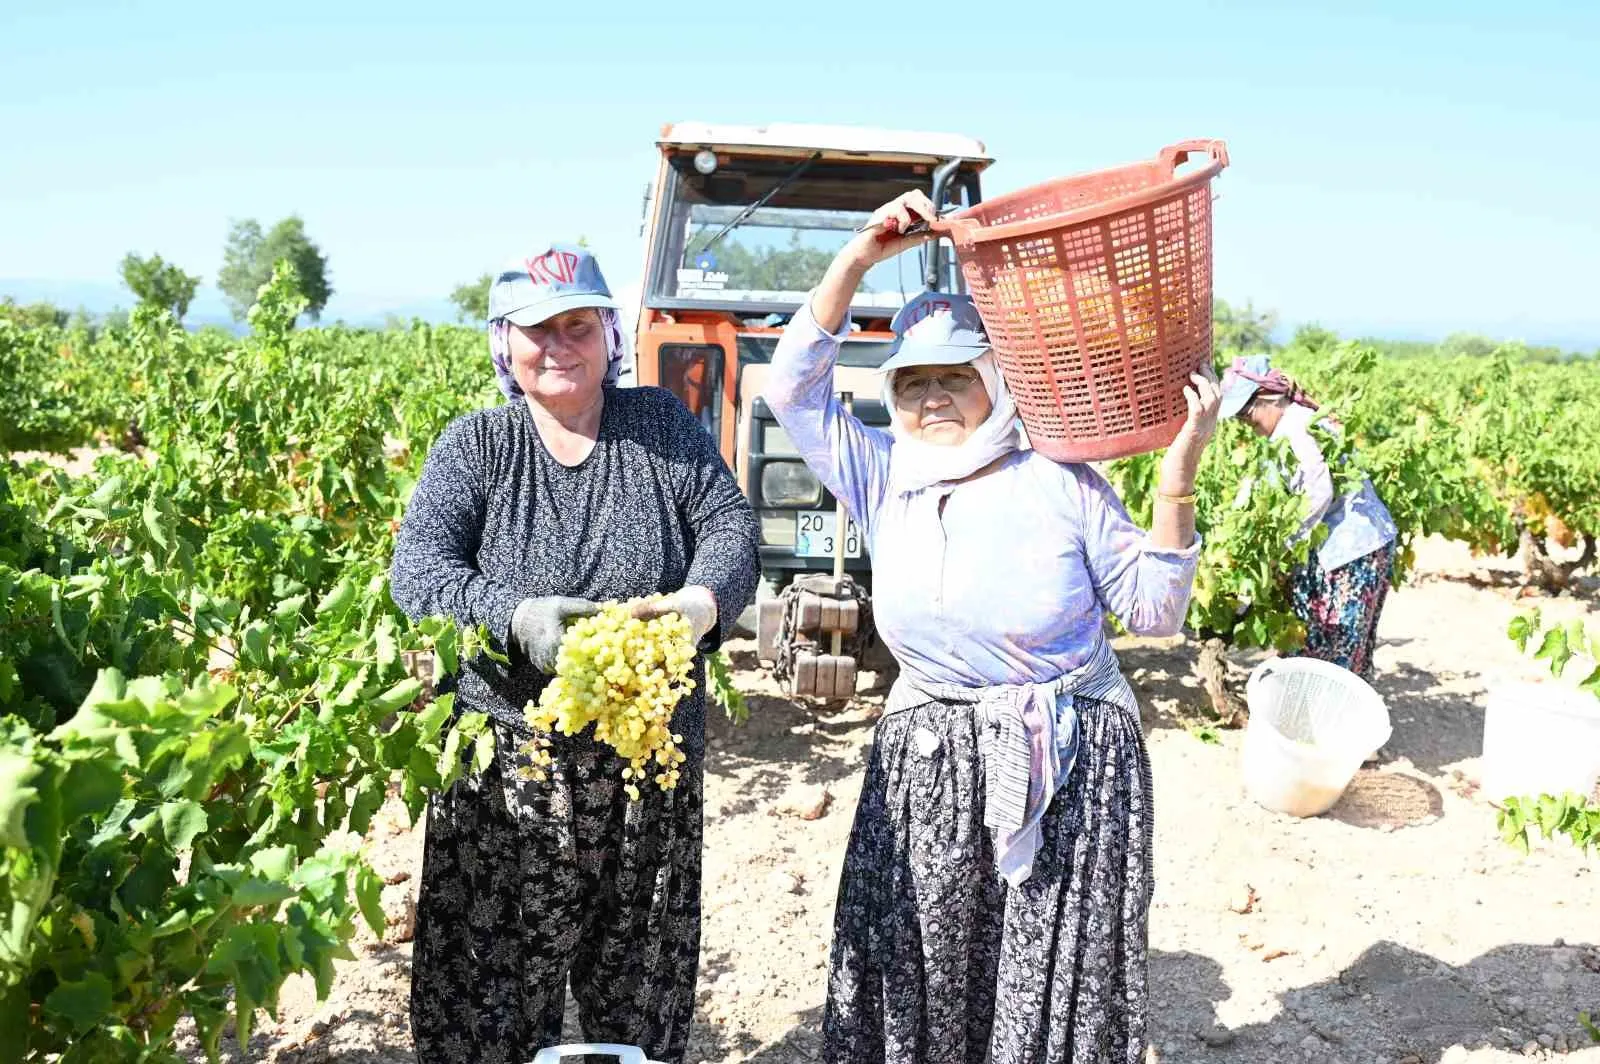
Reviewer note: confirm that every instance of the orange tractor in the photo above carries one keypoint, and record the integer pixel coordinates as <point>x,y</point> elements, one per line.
<point>739,225</point>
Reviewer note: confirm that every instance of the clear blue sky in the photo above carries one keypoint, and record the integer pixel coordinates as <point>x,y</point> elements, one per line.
<point>1409,168</point>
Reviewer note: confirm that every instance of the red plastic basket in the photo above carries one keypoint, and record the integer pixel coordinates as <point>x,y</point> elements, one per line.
<point>1096,292</point>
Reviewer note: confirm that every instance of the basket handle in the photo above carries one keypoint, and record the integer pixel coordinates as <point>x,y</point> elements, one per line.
<point>1175,155</point>
<point>966,231</point>
<point>961,231</point>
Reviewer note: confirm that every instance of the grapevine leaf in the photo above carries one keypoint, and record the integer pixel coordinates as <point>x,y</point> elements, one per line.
<point>351,691</point>
<point>1521,629</point>
<point>14,1007</point>
<point>395,746</point>
<point>399,696</point>
<point>155,525</point>
<point>276,862</point>
<point>82,1003</point>
<point>93,786</point>
<point>388,650</point>
<point>482,751</point>
<point>1554,649</point>
<point>1575,635</point>
<point>179,921</point>
<point>112,826</point>
<point>369,896</point>
<point>108,492</point>
<point>255,643</point>
<point>289,608</point>
<point>422,772</point>
<point>181,822</point>
<point>209,1021</point>
<point>433,717</point>
<point>445,658</point>
<point>1592,682</point>
<point>256,892</point>
<point>368,800</point>
<point>450,758</point>
<point>20,778</point>
<point>336,601</point>
<point>1550,810</point>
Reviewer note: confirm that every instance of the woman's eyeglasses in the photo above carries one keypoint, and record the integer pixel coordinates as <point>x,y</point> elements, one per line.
<point>915,386</point>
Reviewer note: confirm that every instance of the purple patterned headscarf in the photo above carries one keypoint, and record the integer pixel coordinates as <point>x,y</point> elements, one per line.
<point>500,351</point>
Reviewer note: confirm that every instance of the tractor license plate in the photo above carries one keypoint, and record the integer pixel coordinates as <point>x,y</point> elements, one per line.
<point>814,532</point>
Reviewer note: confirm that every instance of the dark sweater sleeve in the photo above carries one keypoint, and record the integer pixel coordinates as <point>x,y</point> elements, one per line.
<point>435,567</point>
<point>720,520</point>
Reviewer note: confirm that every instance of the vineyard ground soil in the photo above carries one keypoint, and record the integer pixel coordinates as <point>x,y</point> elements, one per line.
<point>1397,928</point>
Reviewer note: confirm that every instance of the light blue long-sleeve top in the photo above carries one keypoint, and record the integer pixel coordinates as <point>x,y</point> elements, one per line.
<point>1010,584</point>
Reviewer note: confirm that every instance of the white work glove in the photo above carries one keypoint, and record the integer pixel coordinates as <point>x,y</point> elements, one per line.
<point>539,624</point>
<point>695,604</point>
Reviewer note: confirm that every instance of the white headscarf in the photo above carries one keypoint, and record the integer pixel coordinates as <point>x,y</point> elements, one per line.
<point>915,464</point>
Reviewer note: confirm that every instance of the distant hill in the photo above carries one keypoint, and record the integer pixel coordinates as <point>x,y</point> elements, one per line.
<point>359,309</point>
<point>209,308</point>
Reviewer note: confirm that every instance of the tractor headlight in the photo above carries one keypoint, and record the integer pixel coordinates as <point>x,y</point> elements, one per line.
<point>789,484</point>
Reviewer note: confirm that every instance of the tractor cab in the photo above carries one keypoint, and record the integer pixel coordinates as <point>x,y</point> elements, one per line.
<point>740,224</point>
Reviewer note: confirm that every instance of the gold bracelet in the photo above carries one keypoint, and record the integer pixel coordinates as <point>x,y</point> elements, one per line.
<point>1179,500</point>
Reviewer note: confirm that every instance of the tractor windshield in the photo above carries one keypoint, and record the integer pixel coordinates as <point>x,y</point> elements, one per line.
<point>772,256</point>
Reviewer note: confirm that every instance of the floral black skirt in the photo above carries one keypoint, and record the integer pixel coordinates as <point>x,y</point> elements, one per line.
<point>1341,609</point>
<point>937,961</point>
<point>527,885</point>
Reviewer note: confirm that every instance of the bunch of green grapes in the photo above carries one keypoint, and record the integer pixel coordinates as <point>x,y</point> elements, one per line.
<point>625,676</point>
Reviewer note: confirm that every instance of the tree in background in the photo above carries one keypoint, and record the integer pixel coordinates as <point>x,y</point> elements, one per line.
<point>472,299</point>
<point>249,256</point>
<point>1315,338</point>
<point>159,284</point>
<point>1240,330</point>
<point>1469,345</point>
<point>32,315</point>
<point>795,268</point>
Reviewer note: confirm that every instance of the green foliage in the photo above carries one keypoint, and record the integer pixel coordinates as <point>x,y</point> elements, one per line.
<point>203,680</point>
<point>472,299</point>
<point>1572,815</point>
<point>249,258</point>
<point>51,392</point>
<point>32,315</point>
<point>159,284</point>
<point>1469,345</point>
<point>1451,447</point>
<point>719,684</point>
<point>1246,519</point>
<point>1559,645</point>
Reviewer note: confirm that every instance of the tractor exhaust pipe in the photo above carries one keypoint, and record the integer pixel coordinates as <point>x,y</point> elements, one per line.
<point>941,180</point>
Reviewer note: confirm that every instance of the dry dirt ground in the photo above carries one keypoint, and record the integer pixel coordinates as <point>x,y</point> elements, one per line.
<point>1395,929</point>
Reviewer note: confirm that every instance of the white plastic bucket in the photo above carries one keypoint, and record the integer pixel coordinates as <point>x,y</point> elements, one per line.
<point>1540,738</point>
<point>1311,726</point>
<point>624,1054</point>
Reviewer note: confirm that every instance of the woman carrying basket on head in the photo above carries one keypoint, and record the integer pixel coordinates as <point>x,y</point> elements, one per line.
<point>996,888</point>
<point>1340,592</point>
<point>571,493</point>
